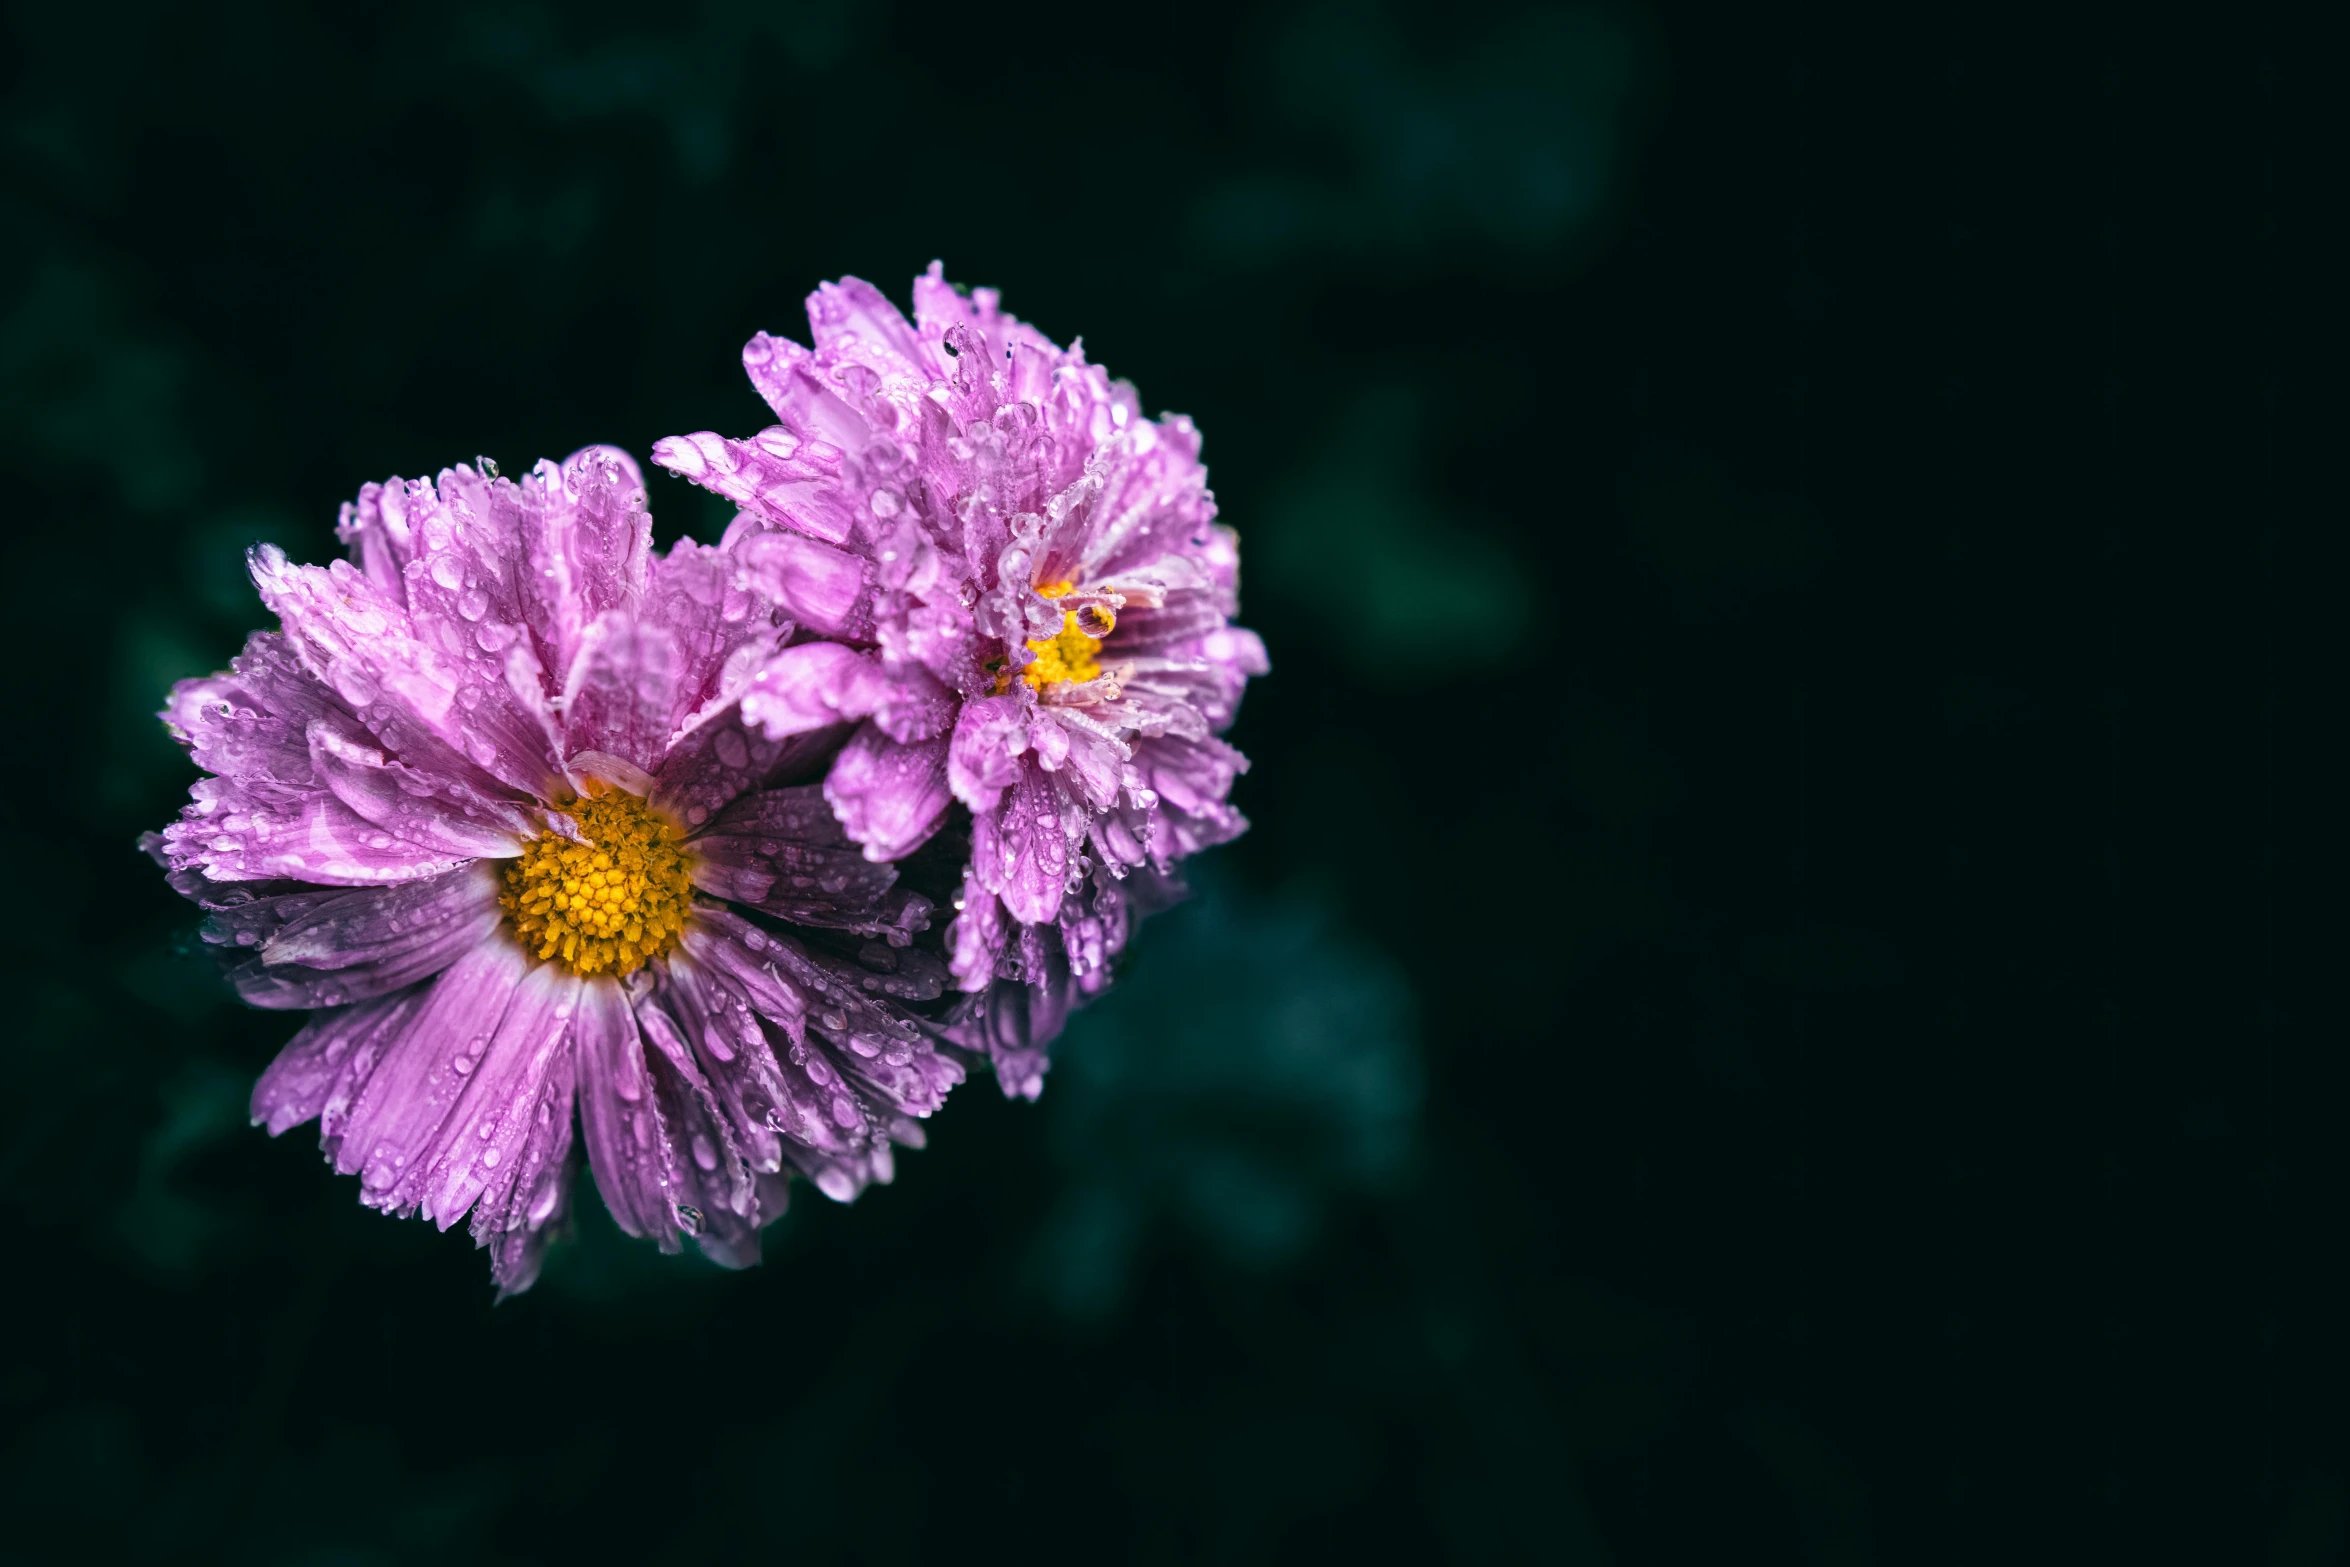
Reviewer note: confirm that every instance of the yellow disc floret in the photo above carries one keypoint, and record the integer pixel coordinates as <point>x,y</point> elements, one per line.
<point>609,903</point>
<point>1068,655</point>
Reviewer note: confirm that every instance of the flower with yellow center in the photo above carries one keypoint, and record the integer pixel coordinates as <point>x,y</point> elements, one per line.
<point>1069,654</point>
<point>608,901</point>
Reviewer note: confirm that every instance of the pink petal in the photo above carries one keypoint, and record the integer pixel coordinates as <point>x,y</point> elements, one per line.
<point>621,690</point>
<point>817,585</point>
<point>388,1138</point>
<point>330,1059</point>
<point>446,815</point>
<point>890,797</point>
<point>494,1116</point>
<point>984,758</point>
<point>619,1119</point>
<point>812,685</point>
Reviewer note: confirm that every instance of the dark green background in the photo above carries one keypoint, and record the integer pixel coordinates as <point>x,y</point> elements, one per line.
<point>1783,1003</point>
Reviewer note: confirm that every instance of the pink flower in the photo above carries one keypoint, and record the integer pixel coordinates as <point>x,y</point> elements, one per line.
<point>511,807</point>
<point>1040,600</point>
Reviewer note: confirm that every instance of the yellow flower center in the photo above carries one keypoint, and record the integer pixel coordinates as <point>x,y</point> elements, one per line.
<point>606,905</point>
<point>1067,655</point>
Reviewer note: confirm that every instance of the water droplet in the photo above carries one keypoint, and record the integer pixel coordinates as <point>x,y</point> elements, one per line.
<point>689,1218</point>
<point>473,603</point>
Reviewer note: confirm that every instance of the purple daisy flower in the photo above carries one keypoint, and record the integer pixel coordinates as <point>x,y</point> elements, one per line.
<point>1046,597</point>
<point>492,806</point>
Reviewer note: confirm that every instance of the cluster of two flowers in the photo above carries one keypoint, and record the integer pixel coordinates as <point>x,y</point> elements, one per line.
<point>727,863</point>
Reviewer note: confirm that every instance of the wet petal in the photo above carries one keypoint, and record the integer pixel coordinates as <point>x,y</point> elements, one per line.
<point>817,585</point>
<point>622,689</point>
<point>329,1061</point>
<point>784,852</point>
<point>619,1118</point>
<point>251,721</point>
<point>389,1134</point>
<point>811,686</point>
<point>354,946</point>
<point>516,1253</point>
<point>984,757</point>
<point>890,797</point>
<point>495,1115</point>
<point>1021,851</point>
<point>232,832</point>
<point>447,815</point>
<point>364,645</point>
